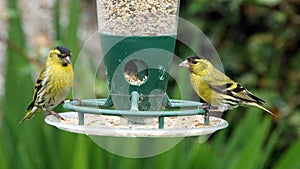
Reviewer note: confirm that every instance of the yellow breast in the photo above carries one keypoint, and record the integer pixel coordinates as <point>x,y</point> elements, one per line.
<point>201,86</point>
<point>62,77</point>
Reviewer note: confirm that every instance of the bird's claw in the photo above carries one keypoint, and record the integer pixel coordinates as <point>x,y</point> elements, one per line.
<point>54,114</point>
<point>76,99</point>
<point>209,109</point>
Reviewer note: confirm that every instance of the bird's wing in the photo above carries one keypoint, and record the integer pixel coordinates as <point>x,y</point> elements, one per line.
<point>37,88</point>
<point>236,90</point>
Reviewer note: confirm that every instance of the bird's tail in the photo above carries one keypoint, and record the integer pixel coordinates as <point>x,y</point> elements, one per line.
<point>261,107</point>
<point>31,110</point>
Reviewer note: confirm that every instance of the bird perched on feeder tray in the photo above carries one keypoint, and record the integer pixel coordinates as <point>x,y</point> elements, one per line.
<point>217,89</point>
<point>53,83</point>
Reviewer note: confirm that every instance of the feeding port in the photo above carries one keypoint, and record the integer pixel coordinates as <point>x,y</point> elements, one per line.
<point>137,41</point>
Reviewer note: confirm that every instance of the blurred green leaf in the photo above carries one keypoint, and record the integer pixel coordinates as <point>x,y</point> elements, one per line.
<point>71,38</point>
<point>290,157</point>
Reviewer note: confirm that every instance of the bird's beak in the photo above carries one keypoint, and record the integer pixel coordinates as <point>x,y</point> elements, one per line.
<point>184,64</point>
<point>67,59</point>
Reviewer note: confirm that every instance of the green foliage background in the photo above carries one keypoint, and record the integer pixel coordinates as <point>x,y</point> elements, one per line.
<point>258,44</point>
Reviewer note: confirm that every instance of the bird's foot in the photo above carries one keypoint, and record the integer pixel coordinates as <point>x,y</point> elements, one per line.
<point>214,109</point>
<point>204,106</point>
<point>209,108</point>
<point>211,111</point>
<point>54,114</point>
<point>76,99</point>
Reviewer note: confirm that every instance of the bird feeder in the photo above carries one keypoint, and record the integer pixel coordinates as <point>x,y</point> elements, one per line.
<point>138,41</point>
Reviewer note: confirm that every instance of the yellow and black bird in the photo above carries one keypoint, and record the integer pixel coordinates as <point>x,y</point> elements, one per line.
<point>53,83</point>
<point>217,89</point>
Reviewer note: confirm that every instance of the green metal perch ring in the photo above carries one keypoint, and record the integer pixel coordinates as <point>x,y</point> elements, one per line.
<point>91,106</point>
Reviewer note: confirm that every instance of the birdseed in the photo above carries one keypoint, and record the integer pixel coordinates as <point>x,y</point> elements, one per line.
<point>133,78</point>
<point>138,17</point>
<point>116,122</point>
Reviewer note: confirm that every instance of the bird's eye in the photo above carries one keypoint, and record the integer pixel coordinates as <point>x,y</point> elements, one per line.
<point>194,62</point>
<point>59,55</point>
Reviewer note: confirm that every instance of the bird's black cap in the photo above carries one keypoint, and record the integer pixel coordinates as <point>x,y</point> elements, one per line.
<point>193,57</point>
<point>63,50</point>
